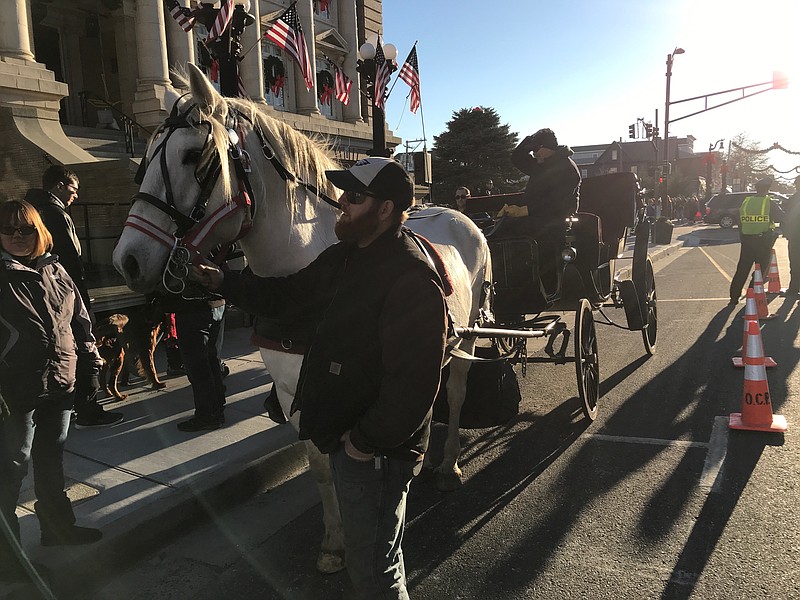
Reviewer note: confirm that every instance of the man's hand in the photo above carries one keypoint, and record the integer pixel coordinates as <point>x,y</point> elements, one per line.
<point>352,451</point>
<point>207,274</point>
<point>527,144</point>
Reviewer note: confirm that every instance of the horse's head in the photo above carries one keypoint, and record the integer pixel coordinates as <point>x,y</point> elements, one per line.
<point>191,196</point>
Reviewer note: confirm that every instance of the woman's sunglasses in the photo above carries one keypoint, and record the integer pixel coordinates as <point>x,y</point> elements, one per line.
<point>461,196</point>
<point>22,230</point>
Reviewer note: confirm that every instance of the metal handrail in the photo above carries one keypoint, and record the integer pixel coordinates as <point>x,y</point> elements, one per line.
<point>129,124</point>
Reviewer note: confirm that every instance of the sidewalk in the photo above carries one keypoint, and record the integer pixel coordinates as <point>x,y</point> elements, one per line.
<point>144,481</point>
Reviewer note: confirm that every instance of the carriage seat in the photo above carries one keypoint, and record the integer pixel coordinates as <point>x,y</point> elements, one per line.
<point>613,198</point>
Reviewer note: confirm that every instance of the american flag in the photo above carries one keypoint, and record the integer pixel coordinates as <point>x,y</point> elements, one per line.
<point>287,33</point>
<point>181,15</point>
<point>382,74</point>
<point>410,74</point>
<point>240,86</point>
<point>342,86</point>
<point>222,21</point>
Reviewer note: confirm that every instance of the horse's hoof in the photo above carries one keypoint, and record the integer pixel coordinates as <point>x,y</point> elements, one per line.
<point>159,385</point>
<point>329,563</point>
<point>121,397</point>
<point>448,482</point>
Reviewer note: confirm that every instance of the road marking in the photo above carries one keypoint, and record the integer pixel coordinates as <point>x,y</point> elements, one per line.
<point>716,265</point>
<point>717,449</point>
<point>641,440</point>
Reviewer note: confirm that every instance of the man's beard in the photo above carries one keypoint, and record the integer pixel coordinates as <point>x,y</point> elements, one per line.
<point>356,229</point>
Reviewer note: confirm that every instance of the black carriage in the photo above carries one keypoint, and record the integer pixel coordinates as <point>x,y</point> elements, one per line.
<point>587,281</point>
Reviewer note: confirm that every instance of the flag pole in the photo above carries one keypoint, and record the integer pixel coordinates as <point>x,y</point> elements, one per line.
<point>396,78</point>
<point>260,35</point>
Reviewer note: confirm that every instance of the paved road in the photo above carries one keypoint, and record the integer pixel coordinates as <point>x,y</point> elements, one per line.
<point>655,499</point>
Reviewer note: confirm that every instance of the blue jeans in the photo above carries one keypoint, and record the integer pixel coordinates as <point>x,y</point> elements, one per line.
<point>372,501</point>
<point>197,340</point>
<point>36,436</point>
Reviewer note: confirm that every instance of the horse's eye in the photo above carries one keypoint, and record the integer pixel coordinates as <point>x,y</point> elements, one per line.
<point>192,157</point>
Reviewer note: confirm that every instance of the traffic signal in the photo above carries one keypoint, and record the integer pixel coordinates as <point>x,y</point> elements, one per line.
<point>660,180</point>
<point>648,130</point>
<point>632,131</point>
<point>655,132</point>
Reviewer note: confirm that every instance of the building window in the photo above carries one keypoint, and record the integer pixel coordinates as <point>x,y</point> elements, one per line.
<point>324,9</point>
<point>276,78</point>
<point>325,90</point>
<point>634,169</point>
<point>614,155</point>
<point>584,173</point>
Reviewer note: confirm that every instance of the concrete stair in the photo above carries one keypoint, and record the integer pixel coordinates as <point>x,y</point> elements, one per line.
<point>103,143</point>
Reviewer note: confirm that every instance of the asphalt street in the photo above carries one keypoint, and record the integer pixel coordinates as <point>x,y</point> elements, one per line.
<point>655,499</point>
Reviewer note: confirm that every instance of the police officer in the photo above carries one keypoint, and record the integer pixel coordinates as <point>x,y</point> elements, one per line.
<point>758,215</point>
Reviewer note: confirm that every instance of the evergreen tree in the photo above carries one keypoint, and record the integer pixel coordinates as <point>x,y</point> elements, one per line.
<point>474,148</point>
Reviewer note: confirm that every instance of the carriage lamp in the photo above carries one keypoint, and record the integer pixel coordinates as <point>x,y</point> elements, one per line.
<point>366,66</point>
<point>569,254</point>
<point>227,47</point>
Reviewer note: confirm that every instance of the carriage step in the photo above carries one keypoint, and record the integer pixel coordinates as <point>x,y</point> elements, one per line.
<point>630,301</point>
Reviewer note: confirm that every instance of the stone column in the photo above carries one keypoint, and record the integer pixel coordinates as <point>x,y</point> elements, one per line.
<point>250,68</point>
<point>151,53</point>
<point>306,99</point>
<point>14,35</point>
<point>29,98</point>
<point>180,43</point>
<point>349,31</point>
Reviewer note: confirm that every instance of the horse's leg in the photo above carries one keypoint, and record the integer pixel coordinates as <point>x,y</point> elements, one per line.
<point>285,369</point>
<point>449,474</point>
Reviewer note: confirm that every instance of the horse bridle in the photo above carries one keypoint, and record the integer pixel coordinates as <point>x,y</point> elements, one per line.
<point>184,242</point>
<point>186,239</point>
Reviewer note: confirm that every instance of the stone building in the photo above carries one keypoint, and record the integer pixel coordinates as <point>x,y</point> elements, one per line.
<point>80,65</point>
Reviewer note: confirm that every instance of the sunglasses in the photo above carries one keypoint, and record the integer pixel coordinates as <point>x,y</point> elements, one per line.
<point>22,230</point>
<point>357,197</point>
<point>72,189</point>
<point>461,196</point>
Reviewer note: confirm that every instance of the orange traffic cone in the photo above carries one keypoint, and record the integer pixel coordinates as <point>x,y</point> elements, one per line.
<point>773,277</point>
<point>761,296</point>
<point>756,412</point>
<point>750,314</point>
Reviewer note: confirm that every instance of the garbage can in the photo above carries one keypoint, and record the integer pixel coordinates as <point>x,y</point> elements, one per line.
<point>662,232</point>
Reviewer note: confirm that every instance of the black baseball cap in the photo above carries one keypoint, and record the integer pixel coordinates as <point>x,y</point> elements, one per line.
<point>545,137</point>
<point>384,178</point>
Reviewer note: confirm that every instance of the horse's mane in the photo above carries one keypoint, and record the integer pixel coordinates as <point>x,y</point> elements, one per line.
<point>302,156</point>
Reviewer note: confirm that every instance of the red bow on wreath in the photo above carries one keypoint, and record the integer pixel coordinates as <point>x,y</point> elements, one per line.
<point>323,5</point>
<point>325,96</point>
<point>278,85</point>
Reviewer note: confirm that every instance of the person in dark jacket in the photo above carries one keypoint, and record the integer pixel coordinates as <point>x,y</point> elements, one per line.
<point>372,370</point>
<point>791,231</point>
<point>44,327</point>
<point>59,190</point>
<point>551,195</point>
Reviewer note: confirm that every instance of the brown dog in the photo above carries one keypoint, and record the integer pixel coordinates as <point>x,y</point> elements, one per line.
<point>127,343</point>
<point>111,346</point>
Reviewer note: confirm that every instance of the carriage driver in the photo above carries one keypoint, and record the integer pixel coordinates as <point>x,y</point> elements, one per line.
<point>550,196</point>
<point>371,373</point>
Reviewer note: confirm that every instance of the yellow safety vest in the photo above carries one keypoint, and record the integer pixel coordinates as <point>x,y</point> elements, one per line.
<point>754,218</point>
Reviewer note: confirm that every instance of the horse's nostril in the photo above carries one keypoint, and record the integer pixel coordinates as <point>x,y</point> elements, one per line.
<point>131,266</point>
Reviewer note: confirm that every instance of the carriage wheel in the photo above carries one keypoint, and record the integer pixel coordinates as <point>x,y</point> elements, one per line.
<point>587,363</point>
<point>648,304</point>
<point>507,344</point>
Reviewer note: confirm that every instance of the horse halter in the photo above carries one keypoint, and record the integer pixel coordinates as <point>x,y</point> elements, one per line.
<point>184,242</point>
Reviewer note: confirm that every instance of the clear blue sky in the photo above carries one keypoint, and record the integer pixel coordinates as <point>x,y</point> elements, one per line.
<point>589,68</point>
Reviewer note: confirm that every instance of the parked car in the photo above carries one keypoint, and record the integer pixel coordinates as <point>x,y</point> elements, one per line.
<point>724,208</point>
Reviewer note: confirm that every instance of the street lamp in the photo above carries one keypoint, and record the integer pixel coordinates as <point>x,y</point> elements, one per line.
<point>227,47</point>
<point>666,115</point>
<point>710,160</point>
<point>367,67</point>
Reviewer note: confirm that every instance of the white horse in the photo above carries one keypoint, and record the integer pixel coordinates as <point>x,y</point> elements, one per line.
<point>194,195</point>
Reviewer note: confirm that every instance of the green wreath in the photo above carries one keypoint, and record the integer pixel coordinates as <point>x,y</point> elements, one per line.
<point>274,73</point>
<point>324,86</point>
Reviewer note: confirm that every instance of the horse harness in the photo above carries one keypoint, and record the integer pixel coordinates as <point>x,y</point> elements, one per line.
<point>193,228</point>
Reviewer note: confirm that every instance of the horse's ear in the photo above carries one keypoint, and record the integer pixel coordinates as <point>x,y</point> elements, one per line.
<point>203,93</point>
<point>171,96</point>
